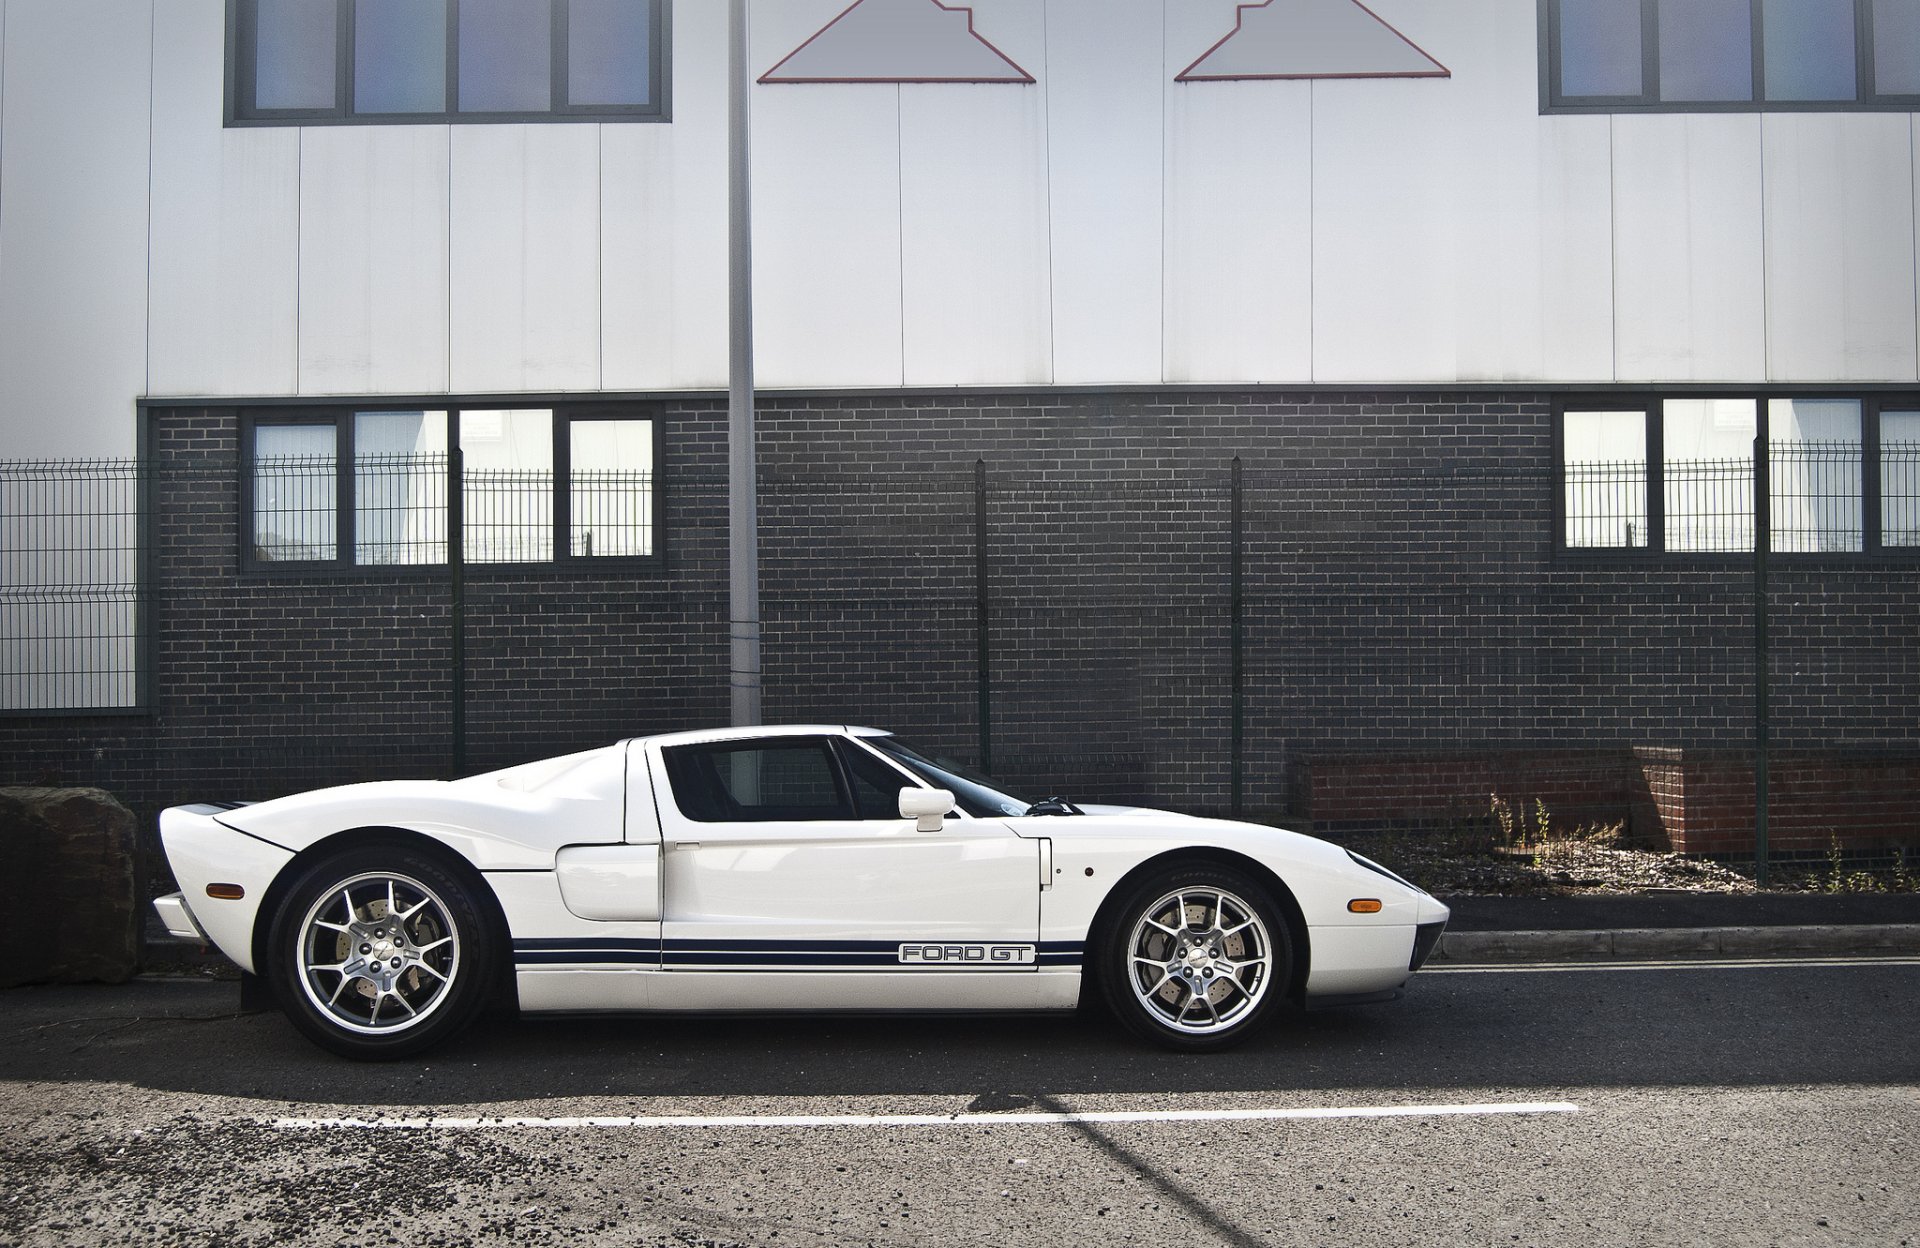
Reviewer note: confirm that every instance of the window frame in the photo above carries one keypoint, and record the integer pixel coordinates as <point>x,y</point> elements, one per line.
<point>340,417</point>
<point>1651,403</point>
<point>241,78</point>
<point>1554,102</point>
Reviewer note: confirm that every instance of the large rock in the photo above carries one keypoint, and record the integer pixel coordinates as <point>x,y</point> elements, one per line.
<point>67,908</point>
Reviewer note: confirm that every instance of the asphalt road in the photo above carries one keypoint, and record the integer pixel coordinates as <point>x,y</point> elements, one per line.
<point>1678,1105</point>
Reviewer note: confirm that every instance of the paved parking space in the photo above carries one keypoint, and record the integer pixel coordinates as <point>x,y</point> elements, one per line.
<point>1689,1104</point>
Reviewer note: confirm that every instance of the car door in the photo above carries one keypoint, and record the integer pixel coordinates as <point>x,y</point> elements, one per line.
<point>788,853</point>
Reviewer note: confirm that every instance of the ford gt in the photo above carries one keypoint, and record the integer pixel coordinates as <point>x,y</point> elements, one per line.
<point>772,869</point>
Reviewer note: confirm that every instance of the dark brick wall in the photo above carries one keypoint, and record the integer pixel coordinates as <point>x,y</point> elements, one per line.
<point>1402,598</point>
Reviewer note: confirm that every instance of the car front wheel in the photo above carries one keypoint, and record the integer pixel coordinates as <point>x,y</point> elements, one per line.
<point>379,953</point>
<point>1197,958</point>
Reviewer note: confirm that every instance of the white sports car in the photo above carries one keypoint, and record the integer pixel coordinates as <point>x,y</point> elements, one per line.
<point>763,869</point>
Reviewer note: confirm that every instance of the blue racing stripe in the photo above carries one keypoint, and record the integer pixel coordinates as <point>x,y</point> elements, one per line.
<point>762,954</point>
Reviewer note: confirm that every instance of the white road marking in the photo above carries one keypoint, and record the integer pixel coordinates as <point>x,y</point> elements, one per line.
<point>1670,964</point>
<point>925,1120</point>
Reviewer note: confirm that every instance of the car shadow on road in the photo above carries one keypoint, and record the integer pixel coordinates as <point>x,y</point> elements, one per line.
<point>1783,1025</point>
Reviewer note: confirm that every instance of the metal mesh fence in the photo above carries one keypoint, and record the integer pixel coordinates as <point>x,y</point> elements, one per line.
<point>1815,497</point>
<point>69,583</point>
<point>1606,504</point>
<point>400,509</point>
<point>1169,633</point>
<point>1900,488</point>
<point>1709,505</point>
<point>400,513</point>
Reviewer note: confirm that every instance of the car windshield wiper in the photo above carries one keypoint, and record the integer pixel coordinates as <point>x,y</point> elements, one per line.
<point>1054,806</point>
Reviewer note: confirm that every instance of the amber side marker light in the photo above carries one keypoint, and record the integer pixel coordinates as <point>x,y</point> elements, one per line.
<point>233,892</point>
<point>1359,905</point>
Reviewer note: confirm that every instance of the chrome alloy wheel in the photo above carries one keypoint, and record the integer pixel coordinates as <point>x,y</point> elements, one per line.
<point>1199,960</point>
<point>378,953</point>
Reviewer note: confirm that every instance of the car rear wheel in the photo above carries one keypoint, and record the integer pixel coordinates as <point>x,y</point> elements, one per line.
<point>379,953</point>
<point>1197,958</point>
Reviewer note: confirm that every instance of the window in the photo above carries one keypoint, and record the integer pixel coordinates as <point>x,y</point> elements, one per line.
<point>1706,51</point>
<point>1601,49</point>
<point>399,488</point>
<point>1676,475</point>
<point>1605,478</point>
<point>296,491</point>
<point>1729,55</point>
<point>374,487</point>
<point>1815,492</point>
<point>304,62</point>
<point>1900,479</point>
<point>756,781</point>
<point>506,489</point>
<point>876,786</point>
<point>1706,468</point>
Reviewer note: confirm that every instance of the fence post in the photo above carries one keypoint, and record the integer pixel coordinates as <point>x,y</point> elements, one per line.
<point>1237,634</point>
<point>1762,728</point>
<point>457,586</point>
<point>982,652</point>
<point>145,650</point>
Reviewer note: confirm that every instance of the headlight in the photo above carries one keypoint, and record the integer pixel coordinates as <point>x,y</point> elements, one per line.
<point>1373,866</point>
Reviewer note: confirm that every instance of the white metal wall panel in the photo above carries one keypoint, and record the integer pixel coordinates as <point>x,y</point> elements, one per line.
<point>826,218</point>
<point>75,102</point>
<point>1105,83</point>
<point>1839,247</point>
<point>1534,273</point>
<point>225,228</point>
<point>974,266</point>
<point>1239,229</point>
<point>1576,292</point>
<point>664,206</point>
<point>373,259</point>
<point>524,258</point>
<point>1688,277</point>
<point>1384,230</point>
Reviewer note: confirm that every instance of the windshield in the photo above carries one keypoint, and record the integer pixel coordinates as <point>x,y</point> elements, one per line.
<point>978,795</point>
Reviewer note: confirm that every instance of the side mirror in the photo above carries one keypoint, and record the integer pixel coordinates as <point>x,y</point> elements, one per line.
<point>927,807</point>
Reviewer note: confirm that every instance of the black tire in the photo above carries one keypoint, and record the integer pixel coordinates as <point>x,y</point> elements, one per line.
<point>364,987</point>
<point>1193,985</point>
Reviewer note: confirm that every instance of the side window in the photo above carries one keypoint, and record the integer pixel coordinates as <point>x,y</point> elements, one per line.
<point>332,62</point>
<point>876,786</point>
<point>754,781</point>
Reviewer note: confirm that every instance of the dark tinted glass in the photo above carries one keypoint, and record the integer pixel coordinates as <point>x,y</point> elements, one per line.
<point>295,53</point>
<point>978,795</point>
<point>757,781</point>
<point>506,56</point>
<point>1706,50</point>
<point>876,786</point>
<point>1810,52</point>
<point>609,52</point>
<point>400,56</point>
<point>1600,43</point>
<point>1896,47</point>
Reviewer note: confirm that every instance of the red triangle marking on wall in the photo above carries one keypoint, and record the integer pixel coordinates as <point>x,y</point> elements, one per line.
<point>898,41</point>
<point>1290,39</point>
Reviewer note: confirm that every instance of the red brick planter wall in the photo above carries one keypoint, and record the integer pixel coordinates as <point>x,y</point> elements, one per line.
<point>1702,801</point>
<point>1694,801</point>
<point>1364,791</point>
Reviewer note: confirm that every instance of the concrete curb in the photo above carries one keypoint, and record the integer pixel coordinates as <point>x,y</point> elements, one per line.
<point>1677,942</point>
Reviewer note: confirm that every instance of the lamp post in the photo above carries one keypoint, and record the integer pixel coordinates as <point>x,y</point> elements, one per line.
<point>743,530</point>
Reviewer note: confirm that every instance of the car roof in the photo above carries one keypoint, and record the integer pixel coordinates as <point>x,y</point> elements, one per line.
<point>760,730</point>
